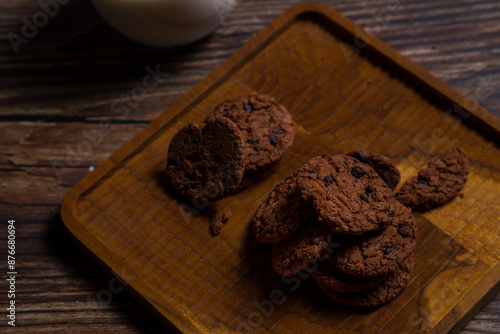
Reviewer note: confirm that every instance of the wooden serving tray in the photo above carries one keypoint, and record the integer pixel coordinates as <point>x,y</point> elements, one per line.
<point>346,90</point>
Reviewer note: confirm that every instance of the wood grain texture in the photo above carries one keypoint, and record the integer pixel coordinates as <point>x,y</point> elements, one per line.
<point>342,96</point>
<point>72,71</point>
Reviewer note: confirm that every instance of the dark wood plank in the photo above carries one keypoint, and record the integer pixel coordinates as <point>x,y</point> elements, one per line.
<point>76,67</point>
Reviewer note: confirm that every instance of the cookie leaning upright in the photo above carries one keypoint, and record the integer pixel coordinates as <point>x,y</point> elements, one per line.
<point>346,194</point>
<point>205,161</point>
<point>282,214</point>
<point>267,128</point>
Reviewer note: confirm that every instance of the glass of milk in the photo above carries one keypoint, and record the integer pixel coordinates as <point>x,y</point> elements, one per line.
<point>164,22</point>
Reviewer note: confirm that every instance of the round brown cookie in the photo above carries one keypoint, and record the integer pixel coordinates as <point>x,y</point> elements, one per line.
<point>380,252</point>
<point>346,194</point>
<point>282,213</point>
<point>298,252</point>
<point>379,294</point>
<point>205,162</point>
<point>381,164</point>
<point>267,128</point>
<point>437,184</point>
<point>331,277</point>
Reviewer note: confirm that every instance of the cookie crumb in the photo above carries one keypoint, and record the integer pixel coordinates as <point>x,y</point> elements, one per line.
<point>462,195</point>
<point>217,221</point>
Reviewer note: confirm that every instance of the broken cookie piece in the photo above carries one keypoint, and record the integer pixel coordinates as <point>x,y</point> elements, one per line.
<point>438,183</point>
<point>217,221</point>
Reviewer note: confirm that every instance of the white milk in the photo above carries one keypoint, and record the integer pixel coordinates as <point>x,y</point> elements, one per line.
<point>164,22</point>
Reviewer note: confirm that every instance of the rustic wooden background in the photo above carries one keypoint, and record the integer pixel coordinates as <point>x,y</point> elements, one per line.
<point>76,72</point>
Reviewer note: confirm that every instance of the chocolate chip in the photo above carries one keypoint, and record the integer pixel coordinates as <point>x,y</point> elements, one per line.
<point>247,107</point>
<point>403,230</point>
<point>389,251</point>
<point>312,171</point>
<point>362,157</point>
<point>358,171</point>
<point>273,140</point>
<point>294,257</point>
<point>364,248</point>
<point>280,131</point>
<point>224,113</point>
<point>356,161</point>
<point>366,197</point>
<point>328,180</point>
<point>422,182</point>
<point>390,214</point>
<point>271,121</point>
<point>324,156</point>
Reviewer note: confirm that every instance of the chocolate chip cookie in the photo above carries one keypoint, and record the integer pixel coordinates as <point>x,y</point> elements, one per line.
<point>205,161</point>
<point>331,277</point>
<point>298,252</point>
<point>282,213</point>
<point>384,167</point>
<point>267,128</point>
<point>440,182</point>
<point>379,294</point>
<point>380,252</point>
<point>347,194</point>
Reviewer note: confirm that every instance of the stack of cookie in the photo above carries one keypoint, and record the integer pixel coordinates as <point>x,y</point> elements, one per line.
<point>241,139</point>
<point>337,218</point>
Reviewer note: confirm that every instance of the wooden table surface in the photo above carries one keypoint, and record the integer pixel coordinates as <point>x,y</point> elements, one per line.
<point>75,72</point>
